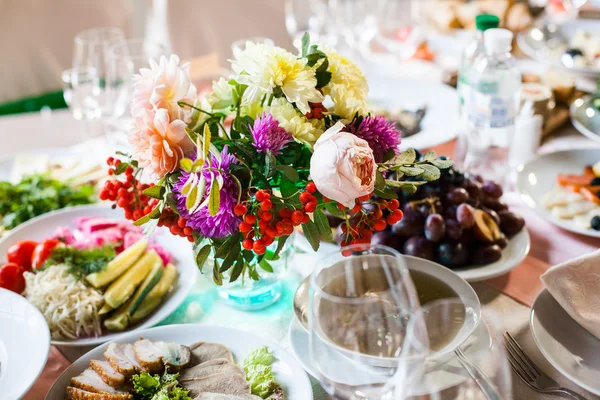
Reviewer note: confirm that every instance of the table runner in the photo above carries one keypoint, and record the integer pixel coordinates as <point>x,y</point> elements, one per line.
<point>549,245</point>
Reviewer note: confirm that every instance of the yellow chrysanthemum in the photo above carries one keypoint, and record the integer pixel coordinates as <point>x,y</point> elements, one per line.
<point>348,87</point>
<point>301,128</point>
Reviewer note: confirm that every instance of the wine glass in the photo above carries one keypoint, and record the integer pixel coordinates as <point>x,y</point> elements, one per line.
<point>90,50</point>
<point>360,331</point>
<point>313,16</point>
<point>452,377</point>
<point>240,45</point>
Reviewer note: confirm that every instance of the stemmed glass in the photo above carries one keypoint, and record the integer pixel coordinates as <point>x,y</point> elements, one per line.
<point>313,16</point>
<point>362,341</point>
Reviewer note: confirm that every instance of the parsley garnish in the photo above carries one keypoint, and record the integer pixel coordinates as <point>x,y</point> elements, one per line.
<point>82,262</point>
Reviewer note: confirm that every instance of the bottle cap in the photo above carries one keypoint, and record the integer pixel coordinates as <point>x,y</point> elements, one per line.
<point>484,22</point>
<point>498,40</point>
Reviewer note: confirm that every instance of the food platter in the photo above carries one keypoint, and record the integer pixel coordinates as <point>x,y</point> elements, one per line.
<point>24,344</point>
<point>538,177</point>
<point>43,226</point>
<point>286,369</point>
<point>586,118</point>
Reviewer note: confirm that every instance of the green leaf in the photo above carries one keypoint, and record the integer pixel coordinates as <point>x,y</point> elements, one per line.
<point>430,172</point>
<point>154,214</point>
<point>289,172</point>
<point>226,246</point>
<point>332,209</point>
<point>323,78</point>
<point>280,243</point>
<point>386,194</point>
<point>388,155</point>
<point>411,171</point>
<point>287,187</point>
<point>323,225</point>
<point>231,257</point>
<point>119,169</point>
<point>379,181</point>
<point>214,198</point>
<point>406,157</point>
<point>429,156</point>
<point>217,277</point>
<point>199,162</point>
<point>305,44</point>
<point>156,192</point>
<point>186,164</point>
<point>409,188</point>
<point>202,256</point>
<point>237,270</point>
<point>442,164</point>
<point>401,184</point>
<point>264,264</point>
<point>191,198</point>
<point>206,141</point>
<point>311,232</point>
<point>252,272</point>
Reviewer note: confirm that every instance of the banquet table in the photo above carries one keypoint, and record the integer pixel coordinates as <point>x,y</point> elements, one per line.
<point>510,296</point>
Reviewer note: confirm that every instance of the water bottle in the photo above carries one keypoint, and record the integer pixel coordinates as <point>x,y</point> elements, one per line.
<point>491,106</point>
<point>470,53</point>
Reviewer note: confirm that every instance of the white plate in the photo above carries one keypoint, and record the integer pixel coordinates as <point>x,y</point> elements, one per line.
<point>441,122</point>
<point>538,177</point>
<point>585,118</point>
<point>569,347</point>
<point>512,256</point>
<point>43,226</point>
<point>299,341</point>
<point>544,52</point>
<point>287,371</point>
<point>24,344</point>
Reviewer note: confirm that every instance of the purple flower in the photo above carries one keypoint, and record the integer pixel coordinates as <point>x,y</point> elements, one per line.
<point>225,222</point>
<point>268,135</point>
<point>379,133</point>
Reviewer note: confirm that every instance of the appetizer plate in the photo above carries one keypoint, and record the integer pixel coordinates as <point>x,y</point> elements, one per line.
<point>299,340</point>
<point>24,344</point>
<point>516,251</point>
<point>568,346</point>
<point>586,118</point>
<point>286,369</point>
<point>538,177</point>
<point>45,225</point>
<point>546,43</point>
<point>441,122</point>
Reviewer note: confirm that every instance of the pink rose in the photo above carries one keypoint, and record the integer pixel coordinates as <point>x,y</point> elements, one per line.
<point>342,166</point>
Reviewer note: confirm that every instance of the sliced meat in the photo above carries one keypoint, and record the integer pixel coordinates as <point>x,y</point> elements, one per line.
<point>222,383</point>
<point>219,396</point>
<point>91,381</point>
<point>203,351</point>
<point>122,358</point>
<point>153,356</point>
<point>202,370</point>
<point>108,374</point>
<point>74,393</point>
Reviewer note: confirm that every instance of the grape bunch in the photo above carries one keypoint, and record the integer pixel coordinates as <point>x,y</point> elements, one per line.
<point>457,221</point>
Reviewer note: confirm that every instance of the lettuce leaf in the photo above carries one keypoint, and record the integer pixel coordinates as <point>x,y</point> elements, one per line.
<point>259,373</point>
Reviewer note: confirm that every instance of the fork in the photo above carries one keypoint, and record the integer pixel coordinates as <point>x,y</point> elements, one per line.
<point>529,373</point>
<point>482,381</point>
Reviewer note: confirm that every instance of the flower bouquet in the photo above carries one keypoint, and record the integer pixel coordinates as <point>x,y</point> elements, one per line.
<point>288,139</point>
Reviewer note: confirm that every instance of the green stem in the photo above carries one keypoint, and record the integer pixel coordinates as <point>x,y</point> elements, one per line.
<point>183,103</point>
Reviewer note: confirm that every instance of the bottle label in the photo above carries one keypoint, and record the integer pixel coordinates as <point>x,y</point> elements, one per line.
<point>489,110</point>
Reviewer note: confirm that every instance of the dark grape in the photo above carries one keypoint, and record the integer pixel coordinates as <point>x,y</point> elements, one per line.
<point>458,196</point>
<point>388,239</point>
<point>453,229</point>
<point>418,246</point>
<point>464,215</point>
<point>492,189</point>
<point>492,214</point>
<point>477,178</point>
<point>502,242</point>
<point>450,212</point>
<point>452,254</point>
<point>494,204</point>
<point>333,221</point>
<point>487,254</point>
<point>473,188</point>
<point>435,227</point>
<point>510,223</point>
<point>424,209</point>
<point>412,224</point>
<point>595,223</point>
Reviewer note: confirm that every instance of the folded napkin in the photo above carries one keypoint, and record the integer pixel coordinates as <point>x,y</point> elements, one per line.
<point>575,285</point>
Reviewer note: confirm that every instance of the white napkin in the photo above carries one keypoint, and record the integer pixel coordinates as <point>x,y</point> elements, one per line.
<point>575,284</point>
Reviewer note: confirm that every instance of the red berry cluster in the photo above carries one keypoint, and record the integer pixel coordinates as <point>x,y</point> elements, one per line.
<point>176,224</point>
<point>361,226</point>
<point>127,194</point>
<point>262,223</point>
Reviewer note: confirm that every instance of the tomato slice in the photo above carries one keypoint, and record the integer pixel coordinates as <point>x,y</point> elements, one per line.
<point>42,252</point>
<point>20,253</point>
<point>11,277</point>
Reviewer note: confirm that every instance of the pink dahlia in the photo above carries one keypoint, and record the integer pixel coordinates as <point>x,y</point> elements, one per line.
<point>379,133</point>
<point>268,135</point>
<point>225,222</point>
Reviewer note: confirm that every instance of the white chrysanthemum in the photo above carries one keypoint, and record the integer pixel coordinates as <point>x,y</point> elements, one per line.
<point>162,86</point>
<point>221,95</point>
<point>301,128</point>
<point>268,69</point>
<point>348,87</point>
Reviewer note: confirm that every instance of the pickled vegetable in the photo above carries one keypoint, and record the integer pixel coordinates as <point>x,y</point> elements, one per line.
<point>119,265</point>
